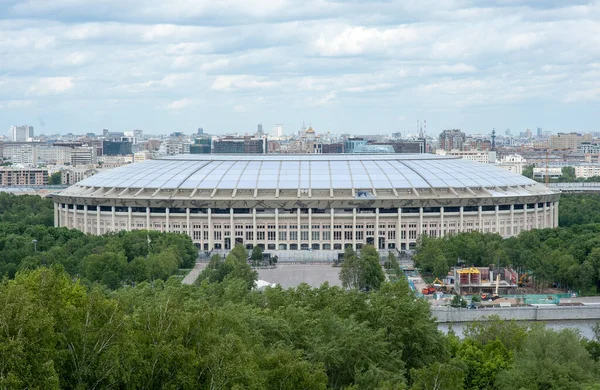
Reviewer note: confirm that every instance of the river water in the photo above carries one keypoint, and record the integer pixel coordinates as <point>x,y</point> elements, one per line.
<point>583,326</point>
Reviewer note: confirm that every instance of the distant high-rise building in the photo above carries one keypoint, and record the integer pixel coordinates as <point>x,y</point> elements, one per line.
<point>200,131</point>
<point>243,145</point>
<point>451,140</point>
<point>568,141</point>
<point>116,148</point>
<point>539,132</point>
<point>352,143</point>
<point>278,131</point>
<point>201,146</point>
<point>21,133</point>
<point>259,130</point>
<point>507,132</point>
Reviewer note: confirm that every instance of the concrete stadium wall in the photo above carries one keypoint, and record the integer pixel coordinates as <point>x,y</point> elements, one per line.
<point>529,313</point>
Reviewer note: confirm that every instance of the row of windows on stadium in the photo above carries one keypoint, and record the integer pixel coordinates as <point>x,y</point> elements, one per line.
<point>405,210</point>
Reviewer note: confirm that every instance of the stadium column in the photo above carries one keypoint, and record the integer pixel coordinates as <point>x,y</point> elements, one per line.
<point>276,229</point>
<point>85,213</point>
<point>420,229</point>
<point>512,219</point>
<point>376,243</point>
<point>254,226</point>
<point>545,215</point>
<point>298,230</point>
<point>66,208</point>
<point>231,229</point>
<point>147,218</point>
<point>112,219</point>
<point>556,214</point>
<point>407,234</point>
<point>480,215</point>
<point>167,215</point>
<point>74,216</point>
<point>187,222</point>
<point>399,230</point>
<point>524,212</point>
<point>129,217</point>
<point>462,219</point>
<point>535,213</point>
<point>210,230</point>
<point>442,229</point>
<point>497,211</point>
<point>354,228</point>
<point>56,215</point>
<point>98,220</point>
<point>331,231</point>
<point>309,228</point>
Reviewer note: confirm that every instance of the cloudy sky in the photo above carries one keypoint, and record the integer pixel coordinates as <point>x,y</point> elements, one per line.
<point>353,66</point>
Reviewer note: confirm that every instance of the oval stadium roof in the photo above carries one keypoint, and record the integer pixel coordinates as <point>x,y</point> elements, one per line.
<point>345,171</point>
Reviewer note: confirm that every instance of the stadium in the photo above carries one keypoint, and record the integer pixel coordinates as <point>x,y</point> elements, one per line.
<point>324,203</point>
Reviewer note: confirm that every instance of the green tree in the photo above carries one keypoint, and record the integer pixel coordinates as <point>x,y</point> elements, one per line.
<point>391,264</point>
<point>430,257</point>
<point>550,360</point>
<point>55,179</point>
<point>439,376</point>
<point>362,272</point>
<point>528,171</point>
<point>458,301</point>
<point>371,273</point>
<point>567,174</point>
<point>240,252</point>
<point>350,272</point>
<point>257,255</point>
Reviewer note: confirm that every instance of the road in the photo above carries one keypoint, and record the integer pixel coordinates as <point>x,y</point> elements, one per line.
<point>191,277</point>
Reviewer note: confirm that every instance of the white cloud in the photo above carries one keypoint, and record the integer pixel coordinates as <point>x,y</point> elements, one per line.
<point>241,82</point>
<point>51,86</point>
<point>16,104</point>
<point>360,59</point>
<point>358,40</point>
<point>370,88</point>
<point>179,104</point>
<point>325,99</point>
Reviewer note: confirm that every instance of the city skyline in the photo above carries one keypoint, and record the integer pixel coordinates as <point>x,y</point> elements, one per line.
<point>352,67</point>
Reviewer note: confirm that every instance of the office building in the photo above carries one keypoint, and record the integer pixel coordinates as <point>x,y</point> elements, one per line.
<point>451,140</point>
<point>568,141</point>
<point>22,133</point>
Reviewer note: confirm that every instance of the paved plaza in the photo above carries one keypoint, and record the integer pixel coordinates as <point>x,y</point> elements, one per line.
<point>292,275</point>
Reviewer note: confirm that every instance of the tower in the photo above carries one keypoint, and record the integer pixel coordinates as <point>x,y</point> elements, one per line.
<point>493,139</point>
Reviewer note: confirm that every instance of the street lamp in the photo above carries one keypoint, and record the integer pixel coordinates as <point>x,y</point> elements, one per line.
<point>34,242</point>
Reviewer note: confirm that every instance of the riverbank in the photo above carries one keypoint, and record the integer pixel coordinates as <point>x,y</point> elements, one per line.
<point>527,313</point>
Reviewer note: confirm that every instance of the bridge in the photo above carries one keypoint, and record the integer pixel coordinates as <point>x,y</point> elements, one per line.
<point>576,188</point>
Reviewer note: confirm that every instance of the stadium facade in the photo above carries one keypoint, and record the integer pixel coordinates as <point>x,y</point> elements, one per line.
<point>307,202</point>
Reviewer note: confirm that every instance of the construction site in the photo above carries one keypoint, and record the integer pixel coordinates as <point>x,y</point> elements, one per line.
<point>487,287</point>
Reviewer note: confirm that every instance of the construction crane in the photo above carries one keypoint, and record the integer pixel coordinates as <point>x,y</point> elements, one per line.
<point>547,176</point>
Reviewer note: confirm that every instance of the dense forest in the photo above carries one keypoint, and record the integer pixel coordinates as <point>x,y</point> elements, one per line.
<point>58,333</point>
<point>578,209</point>
<point>64,324</point>
<point>28,240</point>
